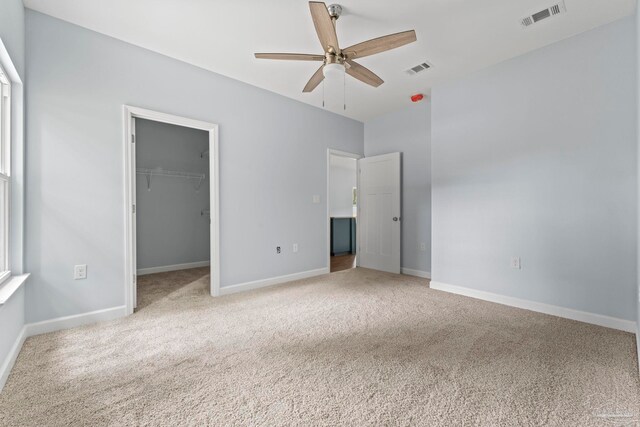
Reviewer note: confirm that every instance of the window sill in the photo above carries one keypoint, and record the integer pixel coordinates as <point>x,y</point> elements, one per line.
<point>8,288</point>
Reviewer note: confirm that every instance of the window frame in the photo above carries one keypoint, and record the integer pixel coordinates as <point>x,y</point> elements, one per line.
<point>5,169</point>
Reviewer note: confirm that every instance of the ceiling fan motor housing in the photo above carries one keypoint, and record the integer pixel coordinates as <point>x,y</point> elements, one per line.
<point>332,58</point>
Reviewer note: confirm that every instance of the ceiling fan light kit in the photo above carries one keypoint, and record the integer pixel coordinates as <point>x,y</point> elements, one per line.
<point>335,60</point>
<point>333,72</point>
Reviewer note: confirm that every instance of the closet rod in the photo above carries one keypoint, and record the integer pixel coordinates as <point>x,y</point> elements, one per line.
<point>175,174</point>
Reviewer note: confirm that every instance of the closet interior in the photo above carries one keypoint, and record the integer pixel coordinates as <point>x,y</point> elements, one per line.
<point>172,207</point>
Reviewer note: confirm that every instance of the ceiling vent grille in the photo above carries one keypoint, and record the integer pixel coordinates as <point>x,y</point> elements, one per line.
<point>556,9</point>
<point>418,69</point>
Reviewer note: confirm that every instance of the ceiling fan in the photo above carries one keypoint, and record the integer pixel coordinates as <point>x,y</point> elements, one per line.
<point>335,59</point>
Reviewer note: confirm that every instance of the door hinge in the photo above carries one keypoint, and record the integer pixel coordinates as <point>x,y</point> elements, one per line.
<point>133,210</point>
<point>135,278</point>
<point>133,138</point>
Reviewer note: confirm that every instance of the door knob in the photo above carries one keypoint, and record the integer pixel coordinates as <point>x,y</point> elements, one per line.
<point>395,218</point>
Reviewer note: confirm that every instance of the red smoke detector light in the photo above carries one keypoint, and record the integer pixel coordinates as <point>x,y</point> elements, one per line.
<point>417,97</point>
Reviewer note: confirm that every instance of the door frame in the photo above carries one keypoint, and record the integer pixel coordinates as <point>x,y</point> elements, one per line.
<point>339,153</point>
<point>130,113</point>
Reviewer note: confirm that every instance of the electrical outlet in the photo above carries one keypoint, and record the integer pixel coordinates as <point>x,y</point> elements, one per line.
<point>295,248</point>
<point>278,249</point>
<point>80,272</point>
<point>316,199</point>
<point>515,263</point>
<point>422,246</point>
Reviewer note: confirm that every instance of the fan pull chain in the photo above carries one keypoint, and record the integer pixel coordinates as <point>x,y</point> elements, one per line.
<point>323,93</point>
<point>344,90</point>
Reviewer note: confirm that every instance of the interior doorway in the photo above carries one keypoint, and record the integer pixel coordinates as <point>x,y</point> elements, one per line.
<point>172,197</point>
<point>342,209</point>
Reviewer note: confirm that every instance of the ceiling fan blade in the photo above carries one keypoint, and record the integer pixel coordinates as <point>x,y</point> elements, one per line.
<point>314,81</point>
<point>290,56</point>
<point>363,74</point>
<point>324,26</point>
<point>380,44</point>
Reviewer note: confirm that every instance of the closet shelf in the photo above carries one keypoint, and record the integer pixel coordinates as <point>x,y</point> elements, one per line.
<point>148,173</point>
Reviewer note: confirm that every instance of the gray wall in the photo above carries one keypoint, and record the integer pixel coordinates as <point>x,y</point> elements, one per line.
<point>12,313</point>
<point>12,319</point>
<point>409,131</point>
<point>341,182</point>
<point>272,161</point>
<point>170,227</point>
<point>536,157</point>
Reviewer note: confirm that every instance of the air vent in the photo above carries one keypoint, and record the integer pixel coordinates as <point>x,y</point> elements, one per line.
<point>418,68</point>
<point>544,14</point>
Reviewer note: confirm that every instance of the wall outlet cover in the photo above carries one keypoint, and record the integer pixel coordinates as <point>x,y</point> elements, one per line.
<point>80,271</point>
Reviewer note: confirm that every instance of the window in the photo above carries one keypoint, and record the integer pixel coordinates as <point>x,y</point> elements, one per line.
<point>5,173</point>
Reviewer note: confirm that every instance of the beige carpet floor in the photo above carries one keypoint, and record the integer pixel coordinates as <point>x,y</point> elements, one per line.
<point>355,348</point>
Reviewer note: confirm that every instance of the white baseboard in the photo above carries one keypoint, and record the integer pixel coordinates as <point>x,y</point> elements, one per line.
<point>175,267</point>
<point>68,322</point>
<point>241,287</point>
<point>10,360</point>
<point>417,273</point>
<point>567,313</point>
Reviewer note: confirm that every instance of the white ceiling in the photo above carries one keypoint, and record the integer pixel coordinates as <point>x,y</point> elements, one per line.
<point>455,36</point>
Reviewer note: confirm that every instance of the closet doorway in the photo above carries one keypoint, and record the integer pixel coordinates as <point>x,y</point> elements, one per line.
<point>172,198</point>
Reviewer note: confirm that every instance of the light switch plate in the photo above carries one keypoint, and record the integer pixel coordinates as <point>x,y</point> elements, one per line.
<point>295,248</point>
<point>316,199</point>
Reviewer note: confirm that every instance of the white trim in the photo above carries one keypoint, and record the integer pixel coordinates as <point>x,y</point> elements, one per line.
<point>16,216</point>
<point>8,288</point>
<point>338,153</point>
<point>74,321</point>
<point>129,194</point>
<point>417,273</point>
<point>4,277</point>
<point>174,267</point>
<point>256,284</point>
<point>567,313</point>
<point>10,360</point>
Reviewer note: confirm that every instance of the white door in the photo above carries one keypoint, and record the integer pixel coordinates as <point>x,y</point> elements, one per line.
<point>379,212</point>
<point>134,253</point>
